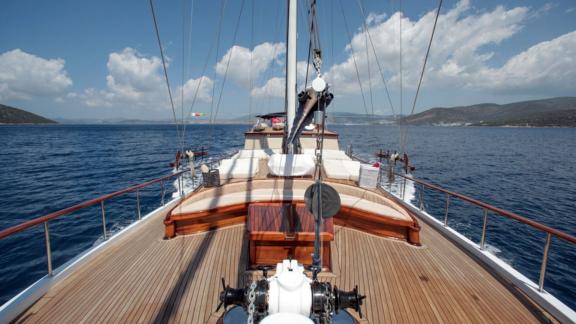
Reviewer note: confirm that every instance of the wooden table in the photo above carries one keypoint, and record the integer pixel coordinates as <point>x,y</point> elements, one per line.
<point>278,231</point>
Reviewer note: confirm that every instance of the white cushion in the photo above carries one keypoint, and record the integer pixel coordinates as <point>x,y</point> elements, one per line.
<point>341,169</point>
<point>238,168</point>
<point>291,165</point>
<point>328,154</point>
<point>256,195</point>
<point>256,153</point>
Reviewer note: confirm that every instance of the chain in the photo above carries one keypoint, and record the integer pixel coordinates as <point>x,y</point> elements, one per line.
<point>317,61</point>
<point>319,138</point>
<point>251,299</point>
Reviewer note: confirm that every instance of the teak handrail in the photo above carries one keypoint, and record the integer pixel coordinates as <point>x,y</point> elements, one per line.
<point>487,207</point>
<point>43,219</point>
<point>505,213</point>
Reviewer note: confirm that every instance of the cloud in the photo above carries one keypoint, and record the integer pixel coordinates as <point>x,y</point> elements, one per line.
<point>547,67</point>
<point>24,76</point>
<point>137,80</point>
<point>134,77</point>
<point>461,55</point>
<point>274,87</point>
<point>374,18</point>
<point>201,88</point>
<point>245,64</point>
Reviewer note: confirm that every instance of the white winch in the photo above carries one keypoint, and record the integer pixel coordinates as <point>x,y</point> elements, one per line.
<point>289,289</point>
<point>289,296</point>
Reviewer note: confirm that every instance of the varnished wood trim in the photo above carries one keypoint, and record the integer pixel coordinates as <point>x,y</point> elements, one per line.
<point>182,224</point>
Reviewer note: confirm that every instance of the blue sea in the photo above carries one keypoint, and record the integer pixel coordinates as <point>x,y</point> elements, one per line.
<point>529,171</point>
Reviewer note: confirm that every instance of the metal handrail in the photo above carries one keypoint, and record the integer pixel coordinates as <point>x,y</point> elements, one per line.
<point>487,207</point>
<point>99,200</point>
<point>497,210</point>
<point>39,220</point>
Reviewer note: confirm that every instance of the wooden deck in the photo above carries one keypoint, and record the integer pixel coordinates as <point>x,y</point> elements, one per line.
<point>143,278</point>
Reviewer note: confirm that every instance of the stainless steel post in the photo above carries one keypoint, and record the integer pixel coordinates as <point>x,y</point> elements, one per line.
<point>404,190</point>
<point>422,198</point>
<point>48,248</point>
<point>483,239</point>
<point>446,212</point>
<point>162,192</point>
<point>103,220</point>
<point>544,263</point>
<point>138,203</point>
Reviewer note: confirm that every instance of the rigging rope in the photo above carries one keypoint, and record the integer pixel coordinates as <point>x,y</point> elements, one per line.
<point>268,75</point>
<point>353,56</point>
<point>364,17</point>
<point>218,34</point>
<point>228,62</point>
<point>402,148</point>
<point>166,74</point>
<point>251,64</point>
<point>186,49</point>
<point>368,62</point>
<point>423,70</point>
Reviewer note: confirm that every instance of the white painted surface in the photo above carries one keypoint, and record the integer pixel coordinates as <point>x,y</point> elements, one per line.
<point>291,64</point>
<point>290,290</point>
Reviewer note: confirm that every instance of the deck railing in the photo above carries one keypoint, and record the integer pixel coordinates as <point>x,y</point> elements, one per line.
<point>489,208</point>
<point>486,208</point>
<point>99,200</point>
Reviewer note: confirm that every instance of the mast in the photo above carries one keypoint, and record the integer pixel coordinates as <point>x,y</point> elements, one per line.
<point>290,101</point>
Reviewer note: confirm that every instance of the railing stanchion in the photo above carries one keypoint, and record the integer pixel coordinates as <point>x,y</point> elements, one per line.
<point>404,190</point>
<point>48,247</point>
<point>483,239</point>
<point>162,191</point>
<point>446,211</point>
<point>138,203</point>
<point>544,263</point>
<point>103,220</point>
<point>181,186</point>
<point>422,197</point>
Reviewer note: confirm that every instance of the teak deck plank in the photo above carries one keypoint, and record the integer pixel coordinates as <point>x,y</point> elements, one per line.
<point>141,278</point>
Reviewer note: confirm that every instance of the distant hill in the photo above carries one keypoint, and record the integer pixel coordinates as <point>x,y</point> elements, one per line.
<point>11,115</point>
<point>334,117</point>
<point>559,112</point>
<point>362,119</point>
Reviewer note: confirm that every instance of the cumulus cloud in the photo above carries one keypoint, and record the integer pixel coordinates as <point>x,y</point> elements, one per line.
<point>132,76</point>
<point>24,76</point>
<point>244,64</point>
<point>274,87</point>
<point>138,80</point>
<point>200,88</point>
<point>374,18</point>
<point>543,68</point>
<point>461,54</point>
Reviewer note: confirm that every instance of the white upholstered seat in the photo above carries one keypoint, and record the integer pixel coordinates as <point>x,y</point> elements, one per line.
<point>291,165</point>
<point>238,168</point>
<point>341,169</point>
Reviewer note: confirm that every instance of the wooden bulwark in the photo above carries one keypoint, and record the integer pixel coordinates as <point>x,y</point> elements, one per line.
<point>144,278</point>
<point>217,210</point>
